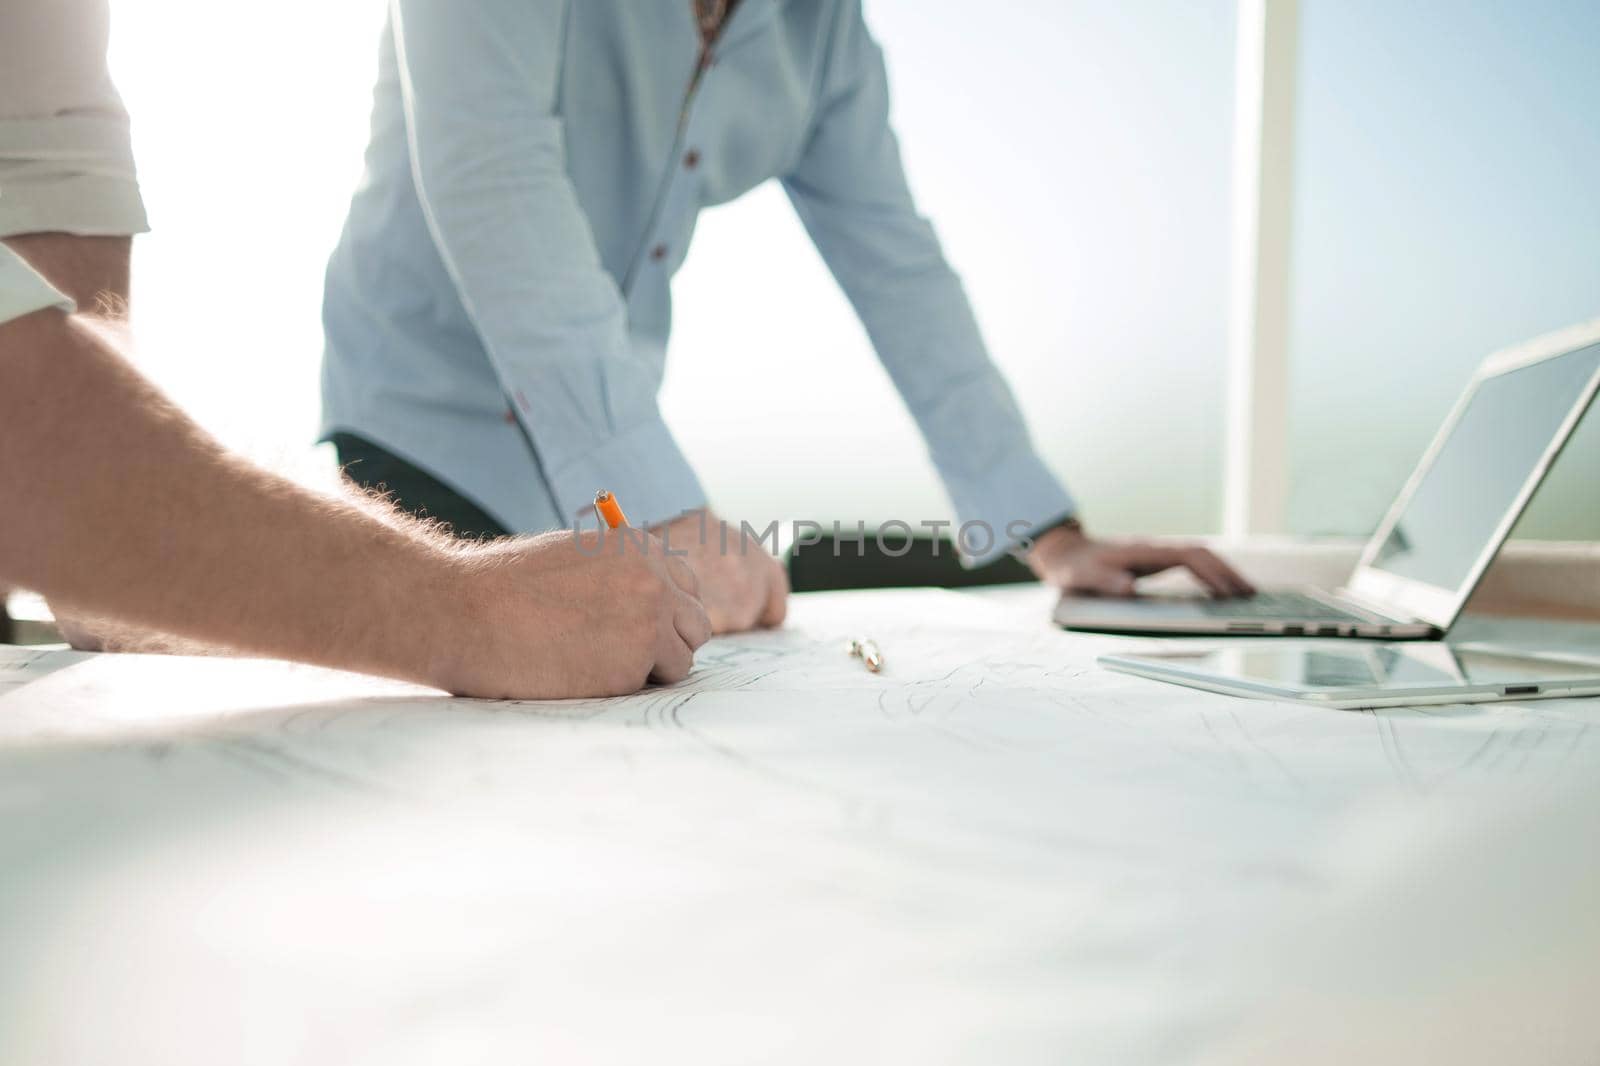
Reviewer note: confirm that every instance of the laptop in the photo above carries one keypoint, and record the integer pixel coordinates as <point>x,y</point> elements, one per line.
<point>1443,530</point>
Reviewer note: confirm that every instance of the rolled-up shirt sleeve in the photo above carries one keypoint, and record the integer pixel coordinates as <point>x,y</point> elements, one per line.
<point>479,83</point>
<point>66,156</point>
<point>849,189</point>
<point>23,291</point>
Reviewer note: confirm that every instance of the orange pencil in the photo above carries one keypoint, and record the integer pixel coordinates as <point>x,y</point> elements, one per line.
<point>609,509</point>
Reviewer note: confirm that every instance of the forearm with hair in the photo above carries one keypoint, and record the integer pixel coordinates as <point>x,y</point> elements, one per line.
<point>94,271</point>
<point>117,505</point>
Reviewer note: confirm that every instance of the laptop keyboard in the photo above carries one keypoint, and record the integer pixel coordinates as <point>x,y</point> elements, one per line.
<point>1296,606</point>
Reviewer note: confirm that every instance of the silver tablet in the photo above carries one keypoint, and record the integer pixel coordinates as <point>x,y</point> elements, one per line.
<point>1360,674</point>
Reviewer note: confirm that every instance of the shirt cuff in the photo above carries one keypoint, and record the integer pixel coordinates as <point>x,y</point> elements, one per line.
<point>644,468</point>
<point>69,174</point>
<point>1003,505</point>
<point>23,290</point>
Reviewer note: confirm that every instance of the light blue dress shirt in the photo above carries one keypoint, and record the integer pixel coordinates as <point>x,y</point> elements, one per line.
<point>498,307</point>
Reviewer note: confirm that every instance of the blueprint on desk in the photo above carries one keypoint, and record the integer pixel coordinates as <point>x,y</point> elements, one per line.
<point>991,851</point>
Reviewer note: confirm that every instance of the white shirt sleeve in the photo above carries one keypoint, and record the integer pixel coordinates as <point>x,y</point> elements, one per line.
<point>66,158</point>
<point>23,291</point>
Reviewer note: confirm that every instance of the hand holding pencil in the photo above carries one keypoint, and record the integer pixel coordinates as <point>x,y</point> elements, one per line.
<point>682,624</point>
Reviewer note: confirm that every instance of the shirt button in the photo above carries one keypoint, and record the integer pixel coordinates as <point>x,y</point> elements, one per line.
<point>692,159</point>
<point>659,252</point>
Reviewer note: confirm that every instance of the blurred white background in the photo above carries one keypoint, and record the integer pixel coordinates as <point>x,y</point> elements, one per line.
<point>1074,156</point>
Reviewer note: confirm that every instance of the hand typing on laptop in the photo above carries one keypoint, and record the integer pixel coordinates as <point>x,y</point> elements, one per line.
<point>1427,555</point>
<point>1071,560</point>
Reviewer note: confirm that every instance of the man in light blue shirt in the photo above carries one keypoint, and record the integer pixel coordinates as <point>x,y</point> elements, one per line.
<point>498,308</point>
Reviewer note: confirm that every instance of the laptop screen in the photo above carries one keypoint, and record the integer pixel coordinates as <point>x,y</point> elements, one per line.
<point>1476,477</point>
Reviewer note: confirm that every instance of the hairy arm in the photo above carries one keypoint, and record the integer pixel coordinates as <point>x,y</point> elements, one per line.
<point>117,505</point>
<point>93,271</point>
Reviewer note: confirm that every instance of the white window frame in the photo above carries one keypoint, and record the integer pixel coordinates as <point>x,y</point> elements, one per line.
<point>1256,465</point>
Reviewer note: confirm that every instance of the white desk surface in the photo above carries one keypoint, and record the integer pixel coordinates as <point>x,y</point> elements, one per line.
<point>993,852</point>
